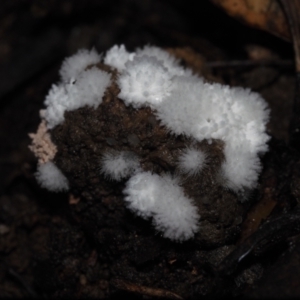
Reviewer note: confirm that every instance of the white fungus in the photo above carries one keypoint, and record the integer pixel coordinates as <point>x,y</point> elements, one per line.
<point>117,57</point>
<point>91,86</point>
<point>50,177</point>
<point>168,60</point>
<point>88,90</point>
<point>56,103</point>
<point>240,169</point>
<point>161,197</point>
<point>213,111</point>
<point>186,105</point>
<point>118,165</point>
<point>75,64</point>
<point>192,161</point>
<point>145,81</point>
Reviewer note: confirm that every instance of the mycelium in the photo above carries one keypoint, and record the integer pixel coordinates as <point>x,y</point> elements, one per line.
<point>174,143</point>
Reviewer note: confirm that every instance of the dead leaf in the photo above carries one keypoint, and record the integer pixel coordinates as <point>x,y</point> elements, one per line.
<point>292,10</point>
<point>144,290</point>
<point>263,14</point>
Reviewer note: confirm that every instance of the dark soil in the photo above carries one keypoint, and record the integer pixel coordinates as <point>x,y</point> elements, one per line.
<point>97,248</point>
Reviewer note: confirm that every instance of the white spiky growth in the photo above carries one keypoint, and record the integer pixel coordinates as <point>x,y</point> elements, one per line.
<point>168,60</point>
<point>144,82</point>
<point>118,165</point>
<point>213,111</point>
<point>88,89</point>
<point>117,57</point>
<point>240,169</point>
<point>160,197</point>
<point>185,105</point>
<point>50,177</point>
<point>192,161</point>
<point>55,103</point>
<point>75,64</point>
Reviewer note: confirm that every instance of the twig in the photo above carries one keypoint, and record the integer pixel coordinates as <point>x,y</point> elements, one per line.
<point>144,290</point>
<point>256,242</point>
<point>20,280</point>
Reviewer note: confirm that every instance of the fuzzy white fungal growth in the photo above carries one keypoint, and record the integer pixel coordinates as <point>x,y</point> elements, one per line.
<point>119,165</point>
<point>214,111</point>
<point>117,57</point>
<point>160,197</point>
<point>56,102</point>
<point>91,86</point>
<point>142,191</point>
<point>185,105</point>
<point>168,60</point>
<point>192,161</point>
<point>76,63</point>
<point>240,169</point>
<point>144,82</point>
<point>51,178</point>
<point>88,90</point>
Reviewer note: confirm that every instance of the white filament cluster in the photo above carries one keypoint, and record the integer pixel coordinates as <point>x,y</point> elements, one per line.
<point>50,177</point>
<point>160,197</point>
<point>192,161</point>
<point>144,82</point>
<point>78,87</point>
<point>187,105</point>
<point>118,165</point>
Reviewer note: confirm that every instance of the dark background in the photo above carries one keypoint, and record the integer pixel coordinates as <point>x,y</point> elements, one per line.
<point>35,36</point>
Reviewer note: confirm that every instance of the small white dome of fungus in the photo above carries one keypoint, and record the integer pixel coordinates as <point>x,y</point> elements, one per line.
<point>192,161</point>
<point>119,165</point>
<point>145,81</point>
<point>50,177</point>
<point>88,89</point>
<point>75,64</point>
<point>160,197</point>
<point>117,57</point>
<point>168,60</point>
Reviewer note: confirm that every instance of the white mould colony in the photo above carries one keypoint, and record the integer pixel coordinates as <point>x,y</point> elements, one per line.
<point>186,105</point>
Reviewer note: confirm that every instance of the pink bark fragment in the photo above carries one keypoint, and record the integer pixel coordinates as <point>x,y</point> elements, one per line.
<point>42,146</point>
